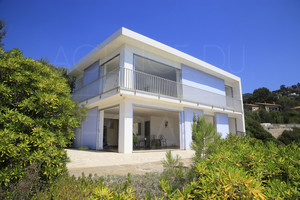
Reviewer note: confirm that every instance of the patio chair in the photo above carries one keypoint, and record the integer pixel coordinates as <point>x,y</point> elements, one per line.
<point>163,140</point>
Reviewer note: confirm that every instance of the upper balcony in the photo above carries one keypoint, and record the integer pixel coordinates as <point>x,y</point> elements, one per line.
<point>134,80</point>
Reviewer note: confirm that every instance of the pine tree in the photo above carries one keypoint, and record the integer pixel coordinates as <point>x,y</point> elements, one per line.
<point>204,137</point>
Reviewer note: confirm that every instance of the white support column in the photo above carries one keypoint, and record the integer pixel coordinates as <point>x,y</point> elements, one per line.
<point>125,127</point>
<point>181,130</point>
<point>100,125</point>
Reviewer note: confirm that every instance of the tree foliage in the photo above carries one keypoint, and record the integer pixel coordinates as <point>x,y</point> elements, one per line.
<point>204,137</point>
<point>37,118</point>
<point>263,116</point>
<point>62,71</point>
<point>255,130</point>
<point>288,137</point>
<point>2,32</point>
<point>261,95</point>
<point>282,97</point>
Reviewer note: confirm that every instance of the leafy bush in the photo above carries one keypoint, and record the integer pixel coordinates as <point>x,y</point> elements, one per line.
<point>291,117</point>
<point>37,118</point>
<point>255,130</point>
<point>70,187</point>
<point>276,117</point>
<point>263,116</point>
<point>25,187</point>
<point>246,168</point>
<point>106,193</point>
<point>116,186</point>
<point>146,186</point>
<point>287,137</point>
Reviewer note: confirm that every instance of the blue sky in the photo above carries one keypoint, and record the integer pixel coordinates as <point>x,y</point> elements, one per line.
<point>258,41</point>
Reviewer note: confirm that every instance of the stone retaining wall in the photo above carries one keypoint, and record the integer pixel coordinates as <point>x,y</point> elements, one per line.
<point>277,129</point>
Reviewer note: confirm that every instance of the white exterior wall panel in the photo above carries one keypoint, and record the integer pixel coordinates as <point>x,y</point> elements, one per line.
<point>188,123</point>
<point>201,87</point>
<point>89,129</point>
<point>222,124</point>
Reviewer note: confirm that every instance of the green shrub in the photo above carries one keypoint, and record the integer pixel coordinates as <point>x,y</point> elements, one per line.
<point>246,168</point>
<point>255,130</point>
<point>106,193</point>
<point>37,118</point>
<point>287,137</point>
<point>70,187</point>
<point>135,140</point>
<point>25,187</point>
<point>146,186</point>
<point>176,175</point>
<point>291,117</point>
<point>83,148</point>
<point>276,117</point>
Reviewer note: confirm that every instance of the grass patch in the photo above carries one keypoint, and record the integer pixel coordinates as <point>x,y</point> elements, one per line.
<point>83,148</point>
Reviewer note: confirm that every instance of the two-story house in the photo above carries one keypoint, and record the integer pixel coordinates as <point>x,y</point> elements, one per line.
<point>143,94</point>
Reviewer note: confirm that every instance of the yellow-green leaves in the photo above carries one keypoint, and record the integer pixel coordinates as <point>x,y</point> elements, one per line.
<point>37,117</point>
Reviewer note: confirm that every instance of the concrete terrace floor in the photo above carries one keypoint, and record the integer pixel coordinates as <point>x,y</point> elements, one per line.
<point>108,163</point>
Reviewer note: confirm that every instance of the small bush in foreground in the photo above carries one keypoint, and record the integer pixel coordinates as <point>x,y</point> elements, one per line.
<point>93,187</point>
<point>146,186</point>
<point>176,175</point>
<point>106,193</point>
<point>25,187</point>
<point>70,187</point>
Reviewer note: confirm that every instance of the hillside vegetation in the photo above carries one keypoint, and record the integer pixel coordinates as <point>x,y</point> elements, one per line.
<point>287,97</point>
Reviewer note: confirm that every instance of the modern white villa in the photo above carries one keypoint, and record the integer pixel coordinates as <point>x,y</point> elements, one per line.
<point>142,94</point>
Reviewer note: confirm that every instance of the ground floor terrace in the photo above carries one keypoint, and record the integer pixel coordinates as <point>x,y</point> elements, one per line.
<point>108,163</point>
<point>126,124</point>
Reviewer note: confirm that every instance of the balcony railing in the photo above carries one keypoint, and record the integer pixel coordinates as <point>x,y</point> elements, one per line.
<point>136,80</point>
<point>101,85</point>
<point>147,83</point>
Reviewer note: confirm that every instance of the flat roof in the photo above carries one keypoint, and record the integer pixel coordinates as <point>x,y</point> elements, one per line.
<point>126,36</point>
<point>267,104</point>
<point>249,104</point>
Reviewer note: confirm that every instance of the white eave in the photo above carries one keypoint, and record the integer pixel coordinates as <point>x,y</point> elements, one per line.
<point>126,36</point>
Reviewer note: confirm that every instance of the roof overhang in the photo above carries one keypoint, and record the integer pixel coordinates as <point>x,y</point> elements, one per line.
<point>126,36</point>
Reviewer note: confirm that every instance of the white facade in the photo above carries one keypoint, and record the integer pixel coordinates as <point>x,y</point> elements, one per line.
<point>143,94</point>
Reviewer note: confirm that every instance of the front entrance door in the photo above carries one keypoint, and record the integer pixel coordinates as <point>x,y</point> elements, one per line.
<point>147,134</point>
<point>110,134</point>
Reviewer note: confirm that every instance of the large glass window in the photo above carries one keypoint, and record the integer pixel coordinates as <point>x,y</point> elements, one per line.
<point>111,65</point>
<point>91,73</point>
<point>110,73</point>
<point>155,77</point>
<point>137,128</point>
<point>229,91</point>
<point>155,68</point>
